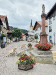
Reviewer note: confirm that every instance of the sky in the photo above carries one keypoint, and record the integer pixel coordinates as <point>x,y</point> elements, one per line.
<point>20,12</point>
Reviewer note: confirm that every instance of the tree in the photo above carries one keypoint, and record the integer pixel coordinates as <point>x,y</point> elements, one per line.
<point>17,33</point>
<point>36,37</point>
<point>3,35</point>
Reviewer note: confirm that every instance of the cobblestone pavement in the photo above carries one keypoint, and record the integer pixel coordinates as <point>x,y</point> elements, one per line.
<point>9,67</point>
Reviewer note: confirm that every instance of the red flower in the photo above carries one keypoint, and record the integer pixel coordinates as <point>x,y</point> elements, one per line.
<point>28,56</point>
<point>25,57</point>
<point>32,64</point>
<point>29,61</point>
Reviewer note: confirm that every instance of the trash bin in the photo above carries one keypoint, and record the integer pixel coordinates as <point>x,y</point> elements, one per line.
<point>2,45</point>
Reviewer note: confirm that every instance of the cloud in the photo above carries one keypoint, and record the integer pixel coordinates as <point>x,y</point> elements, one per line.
<point>20,12</point>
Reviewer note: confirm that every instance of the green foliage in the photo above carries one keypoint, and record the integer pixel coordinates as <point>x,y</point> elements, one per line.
<point>22,30</point>
<point>19,39</point>
<point>17,33</point>
<point>10,37</point>
<point>3,35</point>
<point>36,36</point>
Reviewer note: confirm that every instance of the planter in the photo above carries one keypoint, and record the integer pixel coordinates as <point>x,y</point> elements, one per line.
<point>44,49</point>
<point>25,67</point>
<point>30,47</point>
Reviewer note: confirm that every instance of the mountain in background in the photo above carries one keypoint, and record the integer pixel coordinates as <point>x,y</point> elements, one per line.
<point>22,30</point>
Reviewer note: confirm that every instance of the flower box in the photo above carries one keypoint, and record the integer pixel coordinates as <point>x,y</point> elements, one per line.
<point>44,47</point>
<point>25,62</point>
<point>29,45</point>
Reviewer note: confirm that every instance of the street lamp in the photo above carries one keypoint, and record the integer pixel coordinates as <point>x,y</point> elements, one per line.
<point>0,30</point>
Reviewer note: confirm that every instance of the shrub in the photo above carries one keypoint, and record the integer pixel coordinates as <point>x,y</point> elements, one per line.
<point>43,46</point>
<point>10,37</point>
<point>36,36</point>
<point>3,35</point>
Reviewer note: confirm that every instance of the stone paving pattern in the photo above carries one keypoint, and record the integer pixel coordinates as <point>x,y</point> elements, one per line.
<point>9,67</point>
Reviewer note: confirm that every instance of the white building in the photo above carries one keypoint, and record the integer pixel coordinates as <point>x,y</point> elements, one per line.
<point>5,25</point>
<point>51,19</point>
<point>38,28</point>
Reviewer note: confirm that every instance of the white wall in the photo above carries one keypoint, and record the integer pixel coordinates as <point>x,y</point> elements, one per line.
<point>53,25</point>
<point>53,29</point>
<point>4,24</point>
<point>38,31</point>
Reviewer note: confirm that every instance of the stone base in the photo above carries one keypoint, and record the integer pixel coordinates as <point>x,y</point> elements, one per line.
<point>44,57</point>
<point>25,67</point>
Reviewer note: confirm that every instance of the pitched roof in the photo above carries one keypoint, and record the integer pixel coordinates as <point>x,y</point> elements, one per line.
<point>40,22</point>
<point>51,10</point>
<point>2,17</point>
<point>1,22</point>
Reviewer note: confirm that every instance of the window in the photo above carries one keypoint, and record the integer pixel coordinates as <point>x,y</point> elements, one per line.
<point>50,20</point>
<point>50,28</point>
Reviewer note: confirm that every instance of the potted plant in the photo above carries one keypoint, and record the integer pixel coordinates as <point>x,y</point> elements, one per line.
<point>36,37</point>
<point>25,62</point>
<point>44,47</point>
<point>29,45</point>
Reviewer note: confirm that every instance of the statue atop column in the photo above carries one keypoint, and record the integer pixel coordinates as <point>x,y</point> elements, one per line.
<point>43,9</point>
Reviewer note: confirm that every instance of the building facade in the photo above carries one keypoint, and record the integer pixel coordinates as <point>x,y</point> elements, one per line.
<point>38,28</point>
<point>5,25</point>
<point>51,19</point>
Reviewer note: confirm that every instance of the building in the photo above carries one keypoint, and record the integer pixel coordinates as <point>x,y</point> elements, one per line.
<point>30,32</point>
<point>9,33</point>
<point>51,19</point>
<point>5,25</point>
<point>38,28</point>
<point>31,27</point>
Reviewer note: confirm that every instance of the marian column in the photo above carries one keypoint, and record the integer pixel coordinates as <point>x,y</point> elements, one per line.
<point>43,35</point>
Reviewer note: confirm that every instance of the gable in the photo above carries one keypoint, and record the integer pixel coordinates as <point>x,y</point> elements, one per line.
<point>36,26</point>
<point>52,10</point>
<point>6,20</point>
